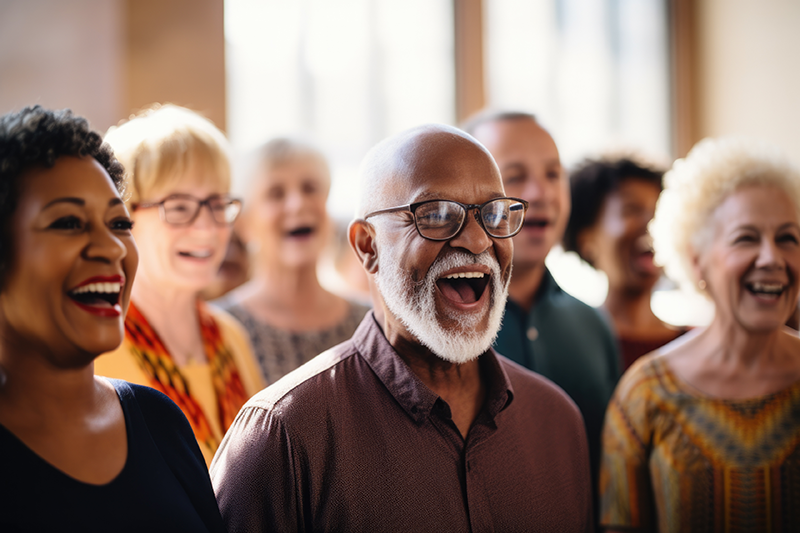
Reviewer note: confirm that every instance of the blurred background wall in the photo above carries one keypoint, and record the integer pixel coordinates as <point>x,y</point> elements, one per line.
<point>749,70</point>
<point>650,76</point>
<point>106,59</point>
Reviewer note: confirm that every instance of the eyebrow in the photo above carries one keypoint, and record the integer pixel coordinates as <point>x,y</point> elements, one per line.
<point>78,201</point>
<point>67,200</point>
<point>751,227</point>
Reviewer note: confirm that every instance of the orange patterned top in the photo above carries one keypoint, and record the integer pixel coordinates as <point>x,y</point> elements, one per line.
<point>675,460</point>
<point>209,394</point>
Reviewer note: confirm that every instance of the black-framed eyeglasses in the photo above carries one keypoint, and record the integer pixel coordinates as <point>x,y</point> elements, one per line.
<point>441,220</point>
<point>183,209</point>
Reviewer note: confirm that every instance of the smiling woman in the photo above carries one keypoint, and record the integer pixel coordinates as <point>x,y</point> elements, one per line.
<point>290,317</point>
<point>703,434</point>
<point>179,178</point>
<point>93,448</point>
<point>613,200</point>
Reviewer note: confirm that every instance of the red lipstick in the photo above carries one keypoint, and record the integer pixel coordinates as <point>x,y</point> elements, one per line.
<point>101,279</point>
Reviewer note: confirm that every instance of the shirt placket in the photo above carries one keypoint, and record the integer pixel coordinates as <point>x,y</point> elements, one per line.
<point>480,517</point>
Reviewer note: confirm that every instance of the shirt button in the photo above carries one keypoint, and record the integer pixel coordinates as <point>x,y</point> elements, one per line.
<point>533,333</point>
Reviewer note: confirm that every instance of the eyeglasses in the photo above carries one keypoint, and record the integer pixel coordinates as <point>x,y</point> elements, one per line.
<point>183,209</point>
<point>441,220</point>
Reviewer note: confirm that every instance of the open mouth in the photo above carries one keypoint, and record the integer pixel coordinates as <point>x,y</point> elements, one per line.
<point>766,290</point>
<point>536,223</point>
<point>644,261</point>
<point>197,254</point>
<point>463,287</point>
<point>302,231</point>
<point>99,296</point>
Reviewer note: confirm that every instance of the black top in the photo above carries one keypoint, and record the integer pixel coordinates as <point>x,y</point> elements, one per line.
<point>164,485</point>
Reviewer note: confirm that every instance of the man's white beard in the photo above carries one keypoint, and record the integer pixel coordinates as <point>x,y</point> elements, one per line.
<point>414,305</point>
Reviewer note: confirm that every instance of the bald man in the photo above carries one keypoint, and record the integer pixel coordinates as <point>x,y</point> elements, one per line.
<point>415,424</point>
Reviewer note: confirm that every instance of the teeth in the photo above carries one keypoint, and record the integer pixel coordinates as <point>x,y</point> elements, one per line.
<point>99,287</point>
<point>772,288</point>
<point>465,275</point>
<point>199,255</point>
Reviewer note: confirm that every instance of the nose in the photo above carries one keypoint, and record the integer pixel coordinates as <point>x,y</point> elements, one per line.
<point>104,245</point>
<point>472,237</point>
<point>294,201</point>
<point>769,255</point>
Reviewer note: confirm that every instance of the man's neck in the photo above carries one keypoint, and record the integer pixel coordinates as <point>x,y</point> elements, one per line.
<point>460,385</point>
<point>525,284</point>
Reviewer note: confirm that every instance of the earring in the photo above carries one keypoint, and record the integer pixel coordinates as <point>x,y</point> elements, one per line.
<point>702,285</point>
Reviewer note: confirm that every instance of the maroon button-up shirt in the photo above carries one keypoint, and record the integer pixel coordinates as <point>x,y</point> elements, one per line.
<point>354,441</point>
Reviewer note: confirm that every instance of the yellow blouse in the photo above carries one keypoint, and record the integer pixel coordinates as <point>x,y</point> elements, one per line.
<point>210,393</point>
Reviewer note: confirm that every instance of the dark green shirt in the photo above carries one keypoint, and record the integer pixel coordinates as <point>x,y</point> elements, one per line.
<point>568,342</point>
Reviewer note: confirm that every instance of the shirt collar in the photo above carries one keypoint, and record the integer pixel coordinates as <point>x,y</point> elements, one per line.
<point>547,289</point>
<point>410,392</point>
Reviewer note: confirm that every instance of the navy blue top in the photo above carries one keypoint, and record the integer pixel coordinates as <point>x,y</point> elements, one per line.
<point>164,485</point>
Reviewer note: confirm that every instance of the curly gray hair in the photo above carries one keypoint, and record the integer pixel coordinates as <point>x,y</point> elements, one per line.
<point>698,184</point>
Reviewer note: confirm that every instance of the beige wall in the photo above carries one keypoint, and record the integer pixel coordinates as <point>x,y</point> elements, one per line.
<point>62,54</point>
<point>176,53</point>
<point>749,70</point>
<point>105,59</point>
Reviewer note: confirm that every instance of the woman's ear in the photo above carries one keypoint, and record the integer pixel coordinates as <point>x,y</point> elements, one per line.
<point>697,271</point>
<point>362,238</point>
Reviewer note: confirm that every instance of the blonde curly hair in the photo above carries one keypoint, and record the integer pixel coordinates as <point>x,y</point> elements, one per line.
<point>698,184</point>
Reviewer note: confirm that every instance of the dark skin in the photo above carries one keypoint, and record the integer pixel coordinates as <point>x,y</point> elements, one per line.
<point>70,226</point>
<point>434,162</point>
<point>616,245</point>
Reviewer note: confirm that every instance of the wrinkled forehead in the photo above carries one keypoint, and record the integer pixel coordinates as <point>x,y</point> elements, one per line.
<point>441,165</point>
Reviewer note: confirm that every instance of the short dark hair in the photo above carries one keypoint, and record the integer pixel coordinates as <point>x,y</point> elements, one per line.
<point>35,136</point>
<point>493,115</point>
<point>591,182</point>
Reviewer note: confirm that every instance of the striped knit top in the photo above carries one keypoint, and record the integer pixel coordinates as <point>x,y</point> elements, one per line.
<point>676,460</point>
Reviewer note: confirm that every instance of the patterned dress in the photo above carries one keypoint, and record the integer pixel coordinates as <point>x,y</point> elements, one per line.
<point>279,351</point>
<point>676,460</point>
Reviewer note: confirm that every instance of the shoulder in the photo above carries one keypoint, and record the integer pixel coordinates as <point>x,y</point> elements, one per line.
<point>154,405</point>
<point>228,324</point>
<point>285,415</point>
<point>306,382</point>
<point>165,421</point>
<point>533,388</point>
<point>643,380</point>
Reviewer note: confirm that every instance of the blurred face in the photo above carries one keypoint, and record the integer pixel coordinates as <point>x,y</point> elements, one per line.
<point>751,268</point>
<point>447,295</point>
<point>618,243</point>
<point>286,215</point>
<point>185,257</point>
<point>531,169</point>
<point>74,260</point>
